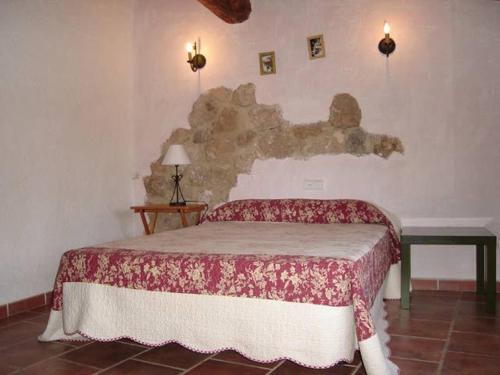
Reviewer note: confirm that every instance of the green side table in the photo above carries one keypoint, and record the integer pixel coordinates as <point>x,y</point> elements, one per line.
<point>481,237</point>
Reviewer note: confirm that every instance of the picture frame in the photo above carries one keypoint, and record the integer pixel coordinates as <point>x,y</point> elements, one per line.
<point>316,46</point>
<point>267,63</point>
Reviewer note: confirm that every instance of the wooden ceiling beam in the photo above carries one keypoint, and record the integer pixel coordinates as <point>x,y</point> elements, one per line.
<point>230,11</point>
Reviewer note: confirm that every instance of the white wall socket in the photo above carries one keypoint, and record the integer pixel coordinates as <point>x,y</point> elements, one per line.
<point>313,184</point>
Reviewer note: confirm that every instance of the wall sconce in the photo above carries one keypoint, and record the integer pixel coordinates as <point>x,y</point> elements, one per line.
<point>197,61</point>
<point>387,45</point>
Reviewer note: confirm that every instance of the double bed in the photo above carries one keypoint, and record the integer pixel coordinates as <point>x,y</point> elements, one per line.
<point>271,279</point>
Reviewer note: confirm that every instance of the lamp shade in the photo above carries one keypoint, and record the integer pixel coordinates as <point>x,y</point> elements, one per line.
<point>176,155</point>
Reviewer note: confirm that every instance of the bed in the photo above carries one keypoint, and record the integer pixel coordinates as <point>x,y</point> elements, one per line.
<point>298,279</point>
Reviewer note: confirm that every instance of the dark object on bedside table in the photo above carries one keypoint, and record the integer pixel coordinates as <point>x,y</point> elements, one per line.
<point>166,208</point>
<point>478,236</point>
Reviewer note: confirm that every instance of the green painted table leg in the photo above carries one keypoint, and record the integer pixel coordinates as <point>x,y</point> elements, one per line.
<point>491,275</point>
<point>480,269</point>
<point>405,276</point>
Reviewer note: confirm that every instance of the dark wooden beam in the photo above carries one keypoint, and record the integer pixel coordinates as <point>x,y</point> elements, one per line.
<point>230,11</point>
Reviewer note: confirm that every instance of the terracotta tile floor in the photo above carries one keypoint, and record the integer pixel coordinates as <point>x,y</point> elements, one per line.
<point>445,333</point>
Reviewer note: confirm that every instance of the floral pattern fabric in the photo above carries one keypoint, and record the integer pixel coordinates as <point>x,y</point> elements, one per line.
<point>292,278</point>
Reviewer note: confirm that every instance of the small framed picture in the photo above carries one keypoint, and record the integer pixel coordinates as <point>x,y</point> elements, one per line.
<point>267,63</point>
<point>316,46</point>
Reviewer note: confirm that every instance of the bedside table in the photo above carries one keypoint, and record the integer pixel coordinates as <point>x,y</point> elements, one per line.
<point>166,208</point>
<point>481,237</point>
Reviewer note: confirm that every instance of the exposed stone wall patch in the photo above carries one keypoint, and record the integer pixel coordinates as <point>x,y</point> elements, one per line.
<point>229,130</point>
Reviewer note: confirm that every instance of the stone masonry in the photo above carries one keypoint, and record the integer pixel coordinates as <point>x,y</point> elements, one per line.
<point>229,130</point>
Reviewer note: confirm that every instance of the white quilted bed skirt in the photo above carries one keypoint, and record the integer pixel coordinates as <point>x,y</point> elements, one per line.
<point>263,330</point>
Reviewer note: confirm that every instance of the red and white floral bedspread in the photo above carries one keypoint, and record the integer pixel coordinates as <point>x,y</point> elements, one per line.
<point>314,275</point>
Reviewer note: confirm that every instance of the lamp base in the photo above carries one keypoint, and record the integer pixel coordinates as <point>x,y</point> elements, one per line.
<point>177,198</point>
<point>178,203</point>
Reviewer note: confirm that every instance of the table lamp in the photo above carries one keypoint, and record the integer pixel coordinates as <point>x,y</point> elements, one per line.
<point>176,155</point>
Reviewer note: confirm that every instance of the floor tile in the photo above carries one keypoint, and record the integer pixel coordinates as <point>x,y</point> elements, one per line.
<point>223,368</point>
<point>290,368</point>
<point>6,369</point>
<point>474,297</point>
<point>27,304</point>
<point>392,302</point>
<point>24,316</point>
<point>475,343</point>
<point>173,355</point>
<point>424,297</point>
<point>416,348</point>
<point>31,351</point>
<point>57,366</point>
<point>466,364</point>
<point>357,359</point>
<point>394,311</point>
<point>74,343</point>
<point>439,293</point>
<point>468,308</point>
<point>42,309</point>
<point>132,367</point>
<point>102,354</point>
<point>477,324</point>
<point>42,319</point>
<point>475,339</point>
<point>132,342</point>
<point>432,311</point>
<point>428,310</point>
<point>410,367</point>
<point>15,333</point>
<point>417,327</point>
<point>232,356</point>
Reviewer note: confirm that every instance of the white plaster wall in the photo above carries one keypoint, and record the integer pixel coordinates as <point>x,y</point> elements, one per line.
<point>66,150</point>
<point>438,92</point>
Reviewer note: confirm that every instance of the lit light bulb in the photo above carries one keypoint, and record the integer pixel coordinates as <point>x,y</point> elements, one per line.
<point>387,45</point>
<point>189,49</point>
<point>387,28</point>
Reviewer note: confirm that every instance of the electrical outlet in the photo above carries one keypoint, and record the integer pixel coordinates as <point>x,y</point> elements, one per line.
<point>313,184</point>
